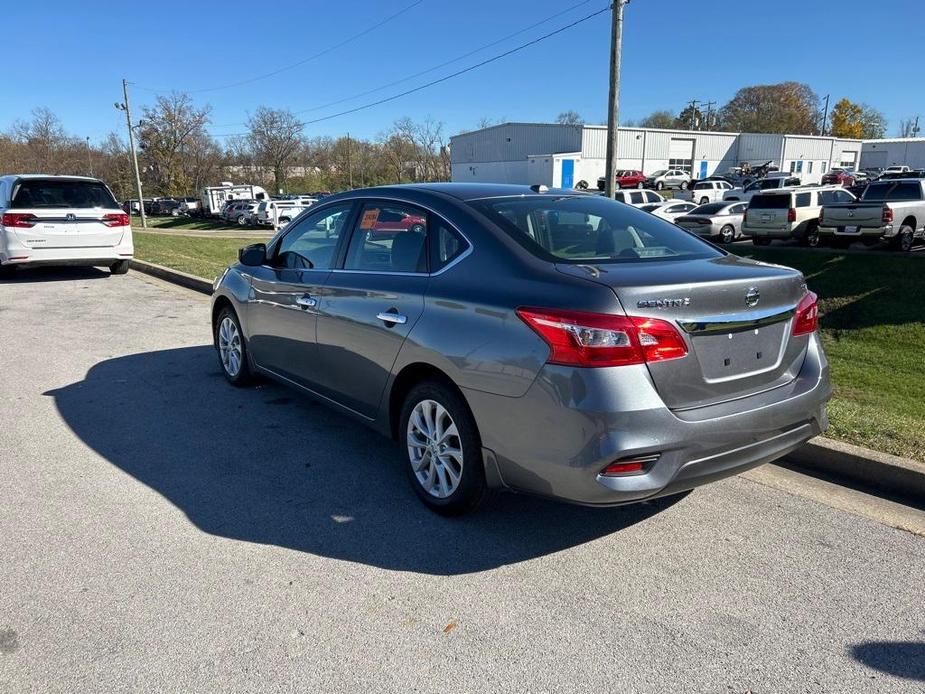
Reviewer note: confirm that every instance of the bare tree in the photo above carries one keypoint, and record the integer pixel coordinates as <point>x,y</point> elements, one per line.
<point>569,118</point>
<point>275,137</point>
<point>907,127</point>
<point>171,130</point>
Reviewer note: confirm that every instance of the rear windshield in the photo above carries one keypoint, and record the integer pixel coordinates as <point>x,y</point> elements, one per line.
<point>770,202</point>
<point>711,208</point>
<point>61,194</point>
<point>901,190</point>
<point>592,228</point>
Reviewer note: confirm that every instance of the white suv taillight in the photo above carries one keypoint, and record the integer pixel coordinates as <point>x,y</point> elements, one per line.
<point>19,220</point>
<point>579,338</point>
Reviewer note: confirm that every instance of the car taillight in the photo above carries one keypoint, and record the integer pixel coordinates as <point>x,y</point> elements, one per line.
<point>791,215</point>
<point>116,219</point>
<point>887,215</point>
<point>807,317</point>
<point>579,338</point>
<point>19,220</point>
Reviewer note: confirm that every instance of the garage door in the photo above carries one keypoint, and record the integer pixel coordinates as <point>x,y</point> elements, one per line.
<point>681,154</point>
<point>874,158</point>
<point>848,159</point>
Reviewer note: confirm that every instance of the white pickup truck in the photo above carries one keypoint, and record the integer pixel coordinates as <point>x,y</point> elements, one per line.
<point>892,210</point>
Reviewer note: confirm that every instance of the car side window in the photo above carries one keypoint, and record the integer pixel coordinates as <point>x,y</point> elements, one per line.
<point>445,243</point>
<point>388,237</point>
<point>312,240</point>
<point>653,197</point>
<point>636,198</point>
<point>803,199</point>
<point>738,209</point>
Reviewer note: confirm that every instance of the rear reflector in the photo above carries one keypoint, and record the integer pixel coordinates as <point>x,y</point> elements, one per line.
<point>117,219</point>
<point>579,338</point>
<point>630,466</point>
<point>18,220</point>
<point>807,317</point>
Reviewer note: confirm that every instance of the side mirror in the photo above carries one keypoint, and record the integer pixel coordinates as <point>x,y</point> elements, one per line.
<point>253,255</point>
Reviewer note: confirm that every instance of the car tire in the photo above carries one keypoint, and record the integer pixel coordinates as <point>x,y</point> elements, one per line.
<point>120,267</point>
<point>616,185</point>
<point>241,221</point>
<point>903,240</point>
<point>417,228</point>
<point>683,185</point>
<point>727,234</point>
<point>659,185</point>
<point>432,406</point>
<point>761,240</point>
<point>231,348</point>
<point>704,200</point>
<point>811,237</point>
<point>640,185</point>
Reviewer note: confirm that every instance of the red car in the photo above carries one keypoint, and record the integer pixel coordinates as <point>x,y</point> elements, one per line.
<point>839,177</point>
<point>389,222</point>
<point>627,178</point>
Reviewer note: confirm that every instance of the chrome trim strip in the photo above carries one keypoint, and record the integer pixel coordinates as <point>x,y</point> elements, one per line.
<point>737,324</point>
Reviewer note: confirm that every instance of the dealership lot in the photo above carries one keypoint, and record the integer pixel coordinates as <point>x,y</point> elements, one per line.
<point>164,531</point>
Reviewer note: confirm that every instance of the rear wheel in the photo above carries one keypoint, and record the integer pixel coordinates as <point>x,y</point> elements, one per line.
<point>120,267</point>
<point>640,185</point>
<point>727,234</point>
<point>232,350</point>
<point>903,240</point>
<point>242,221</point>
<point>659,185</point>
<point>761,240</point>
<point>443,451</point>
<point>704,200</point>
<point>811,237</point>
<point>683,185</point>
<point>616,185</point>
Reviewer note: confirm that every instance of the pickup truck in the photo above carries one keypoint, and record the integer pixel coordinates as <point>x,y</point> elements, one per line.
<point>890,210</point>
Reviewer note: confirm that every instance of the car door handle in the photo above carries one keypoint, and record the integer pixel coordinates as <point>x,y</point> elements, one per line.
<point>392,317</point>
<point>307,301</point>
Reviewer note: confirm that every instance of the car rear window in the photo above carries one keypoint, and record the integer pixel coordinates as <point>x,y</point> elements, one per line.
<point>592,228</point>
<point>711,208</point>
<point>902,190</point>
<point>51,193</point>
<point>770,202</point>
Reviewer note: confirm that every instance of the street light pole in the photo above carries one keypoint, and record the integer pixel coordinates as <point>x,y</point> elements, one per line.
<point>613,106</point>
<point>124,106</point>
<point>89,157</point>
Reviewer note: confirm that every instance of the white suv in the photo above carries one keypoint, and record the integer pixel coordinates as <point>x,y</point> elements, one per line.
<point>62,220</point>
<point>638,198</point>
<point>703,192</point>
<point>790,213</point>
<point>759,186</point>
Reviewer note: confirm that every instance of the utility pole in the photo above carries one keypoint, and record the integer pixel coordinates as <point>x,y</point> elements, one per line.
<point>89,157</point>
<point>124,106</point>
<point>613,105</point>
<point>349,163</point>
<point>709,105</point>
<point>825,114</point>
<point>692,105</point>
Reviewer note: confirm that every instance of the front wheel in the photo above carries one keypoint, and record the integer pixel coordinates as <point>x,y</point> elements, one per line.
<point>120,267</point>
<point>683,185</point>
<point>242,222</point>
<point>443,451</point>
<point>232,350</point>
<point>640,185</point>
<point>704,200</point>
<point>727,234</point>
<point>659,186</point>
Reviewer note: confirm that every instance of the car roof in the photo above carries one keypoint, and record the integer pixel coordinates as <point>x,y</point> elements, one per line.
<point>460,191</point>
<point>51,176</point>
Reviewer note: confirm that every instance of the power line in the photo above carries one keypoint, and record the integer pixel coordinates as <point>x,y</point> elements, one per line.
<point>452,74</point>
<point>430,69</point>
<point>251,80</point>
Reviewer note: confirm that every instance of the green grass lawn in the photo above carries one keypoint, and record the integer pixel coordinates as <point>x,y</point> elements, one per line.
<point>873,327</point>
<point>204,257</point>
<point>872,324</point>
<point>189,223</point>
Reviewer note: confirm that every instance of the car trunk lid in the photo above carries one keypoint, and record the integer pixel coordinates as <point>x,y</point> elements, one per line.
<point>735,315</point>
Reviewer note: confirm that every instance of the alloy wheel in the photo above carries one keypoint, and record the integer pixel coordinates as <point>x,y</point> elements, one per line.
<point>434,449</point>
<point>229,346</point>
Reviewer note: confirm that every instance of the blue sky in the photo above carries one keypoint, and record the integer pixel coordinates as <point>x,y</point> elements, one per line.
<point>673,52</point>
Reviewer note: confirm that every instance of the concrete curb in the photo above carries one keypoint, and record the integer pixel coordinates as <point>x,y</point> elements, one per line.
<point>881,472</point>
<point>193,282</point>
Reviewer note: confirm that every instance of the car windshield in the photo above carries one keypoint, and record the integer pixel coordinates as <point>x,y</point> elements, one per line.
<point>592,228</point>
<point>650,207</point>
<point>52,193</point>
<point>710,208</point>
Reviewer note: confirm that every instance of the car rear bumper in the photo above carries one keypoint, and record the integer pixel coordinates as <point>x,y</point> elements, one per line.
<point>887,231</point>
<point>555,440</point>
<point>12,252</point>
<point>784,232</point>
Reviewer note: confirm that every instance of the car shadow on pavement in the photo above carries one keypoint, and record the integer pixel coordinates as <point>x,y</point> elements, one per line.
<point>52,274</point>
<point>268,465</point>
<point>904,659</point>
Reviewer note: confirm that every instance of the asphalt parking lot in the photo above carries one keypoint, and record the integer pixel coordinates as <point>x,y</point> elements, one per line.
<point>163,531</point>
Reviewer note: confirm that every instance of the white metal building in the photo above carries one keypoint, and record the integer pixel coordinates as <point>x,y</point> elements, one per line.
<point>562,155</point>
<point>884,153</point>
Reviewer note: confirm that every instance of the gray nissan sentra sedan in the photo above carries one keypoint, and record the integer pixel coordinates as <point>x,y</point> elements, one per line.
<point>540,341</point>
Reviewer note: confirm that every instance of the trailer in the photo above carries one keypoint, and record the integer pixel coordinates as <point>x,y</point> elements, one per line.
<point>213,197</point>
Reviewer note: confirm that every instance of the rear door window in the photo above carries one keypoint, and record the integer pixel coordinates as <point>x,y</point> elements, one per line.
<point>803,199</point>
<point>388,237</point>
<point>61,194</point>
